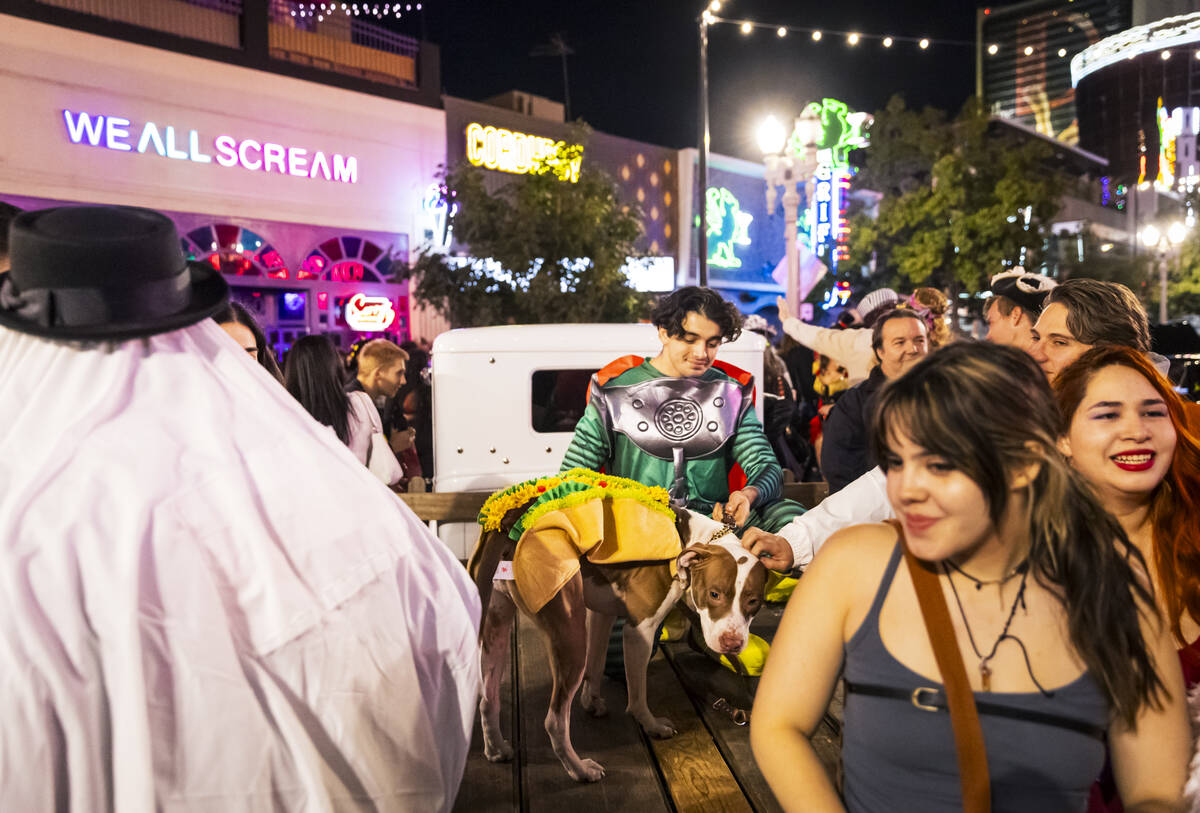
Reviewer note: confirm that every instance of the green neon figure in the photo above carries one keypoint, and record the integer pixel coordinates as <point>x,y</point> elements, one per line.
<point>726,226</point>
<point>841,131</point>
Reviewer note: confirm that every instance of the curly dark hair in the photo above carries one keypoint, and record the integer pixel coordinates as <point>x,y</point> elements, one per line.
<point>673,308</point>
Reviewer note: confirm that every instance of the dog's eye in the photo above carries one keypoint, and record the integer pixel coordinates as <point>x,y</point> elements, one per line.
<point>715,595</point>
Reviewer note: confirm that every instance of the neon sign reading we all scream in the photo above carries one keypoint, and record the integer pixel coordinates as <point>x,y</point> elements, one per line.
<point>117,133</point>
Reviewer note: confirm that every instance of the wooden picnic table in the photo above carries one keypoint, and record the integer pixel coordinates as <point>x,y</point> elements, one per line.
<point>706,766</point>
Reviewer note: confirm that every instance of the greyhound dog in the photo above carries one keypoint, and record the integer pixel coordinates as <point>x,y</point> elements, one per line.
<point>721,585</point>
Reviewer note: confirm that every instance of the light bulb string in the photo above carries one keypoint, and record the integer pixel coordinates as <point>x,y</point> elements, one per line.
<point>714,19</point>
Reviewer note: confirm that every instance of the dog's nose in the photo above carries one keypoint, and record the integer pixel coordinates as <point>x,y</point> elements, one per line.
<point>731,643</point>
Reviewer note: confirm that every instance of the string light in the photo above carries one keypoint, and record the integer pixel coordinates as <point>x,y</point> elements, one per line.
<point>852,38</point>
<point>993,49</point>
<point>1028,50</point>
<point>1166,54</point>
<point>378,10</point>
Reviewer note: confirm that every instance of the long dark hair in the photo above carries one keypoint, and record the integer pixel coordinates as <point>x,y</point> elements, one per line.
<point>988,410</point>
<point>314,375</point>
<point>236,314</point>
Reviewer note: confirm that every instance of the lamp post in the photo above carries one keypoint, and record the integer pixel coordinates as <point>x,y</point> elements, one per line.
<point>1153,237</point>
<point>706,17</point>
<point>789,160</point>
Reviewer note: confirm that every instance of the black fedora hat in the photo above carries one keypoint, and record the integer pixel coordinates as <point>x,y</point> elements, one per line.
<point>103,272</point>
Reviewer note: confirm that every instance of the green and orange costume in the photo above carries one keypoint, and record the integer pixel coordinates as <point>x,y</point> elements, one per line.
<point>699,437</point>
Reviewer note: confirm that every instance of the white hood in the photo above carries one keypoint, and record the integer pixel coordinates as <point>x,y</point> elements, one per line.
<point>206,602</point>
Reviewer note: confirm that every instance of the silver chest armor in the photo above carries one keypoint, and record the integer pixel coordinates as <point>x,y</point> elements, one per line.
<point>676,419</point>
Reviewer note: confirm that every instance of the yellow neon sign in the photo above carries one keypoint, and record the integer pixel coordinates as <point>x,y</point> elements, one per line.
<point>518,153</point>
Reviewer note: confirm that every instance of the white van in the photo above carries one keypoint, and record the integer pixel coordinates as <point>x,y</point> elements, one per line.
<point>506,399</point>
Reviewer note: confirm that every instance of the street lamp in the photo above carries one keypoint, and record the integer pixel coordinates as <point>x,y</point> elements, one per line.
<point>789,160</point>
<point>1153,237</point>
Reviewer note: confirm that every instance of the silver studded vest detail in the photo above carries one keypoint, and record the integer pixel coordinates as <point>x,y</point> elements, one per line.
<point>676,419</point>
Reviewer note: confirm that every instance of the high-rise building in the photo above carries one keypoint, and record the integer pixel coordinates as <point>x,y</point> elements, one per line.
<point>1023,58</point>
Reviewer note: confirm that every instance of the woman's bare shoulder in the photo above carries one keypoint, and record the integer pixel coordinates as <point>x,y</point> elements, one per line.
<point>872,538</point>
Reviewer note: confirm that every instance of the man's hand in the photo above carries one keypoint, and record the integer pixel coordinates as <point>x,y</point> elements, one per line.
<point>737,507</point>
<point>773,551</point>
<point>785,312</point>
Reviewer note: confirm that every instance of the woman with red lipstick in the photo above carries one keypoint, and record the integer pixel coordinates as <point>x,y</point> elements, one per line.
<point>1054,620</point>
<point>1126,432</point>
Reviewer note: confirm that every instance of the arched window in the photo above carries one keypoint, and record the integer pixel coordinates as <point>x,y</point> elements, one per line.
<point>235,251</point>
<point>347,259</point>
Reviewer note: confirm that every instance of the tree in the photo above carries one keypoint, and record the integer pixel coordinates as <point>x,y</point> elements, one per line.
<point>960,199</point>
<point>1183,280</point>
<point>549,249</point>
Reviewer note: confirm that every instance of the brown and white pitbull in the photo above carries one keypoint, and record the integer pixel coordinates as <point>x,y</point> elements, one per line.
<point>721,585</point>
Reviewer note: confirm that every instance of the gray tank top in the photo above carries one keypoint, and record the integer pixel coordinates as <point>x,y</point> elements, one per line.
<point>898,757</point>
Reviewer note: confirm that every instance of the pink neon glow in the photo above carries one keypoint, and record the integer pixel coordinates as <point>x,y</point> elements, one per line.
<point>117,133</point>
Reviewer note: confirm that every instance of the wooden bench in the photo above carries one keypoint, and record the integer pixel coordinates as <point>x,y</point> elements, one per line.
<point>463,506</point>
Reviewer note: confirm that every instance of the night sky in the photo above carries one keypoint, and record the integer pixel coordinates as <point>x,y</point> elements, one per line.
<point>634,72</point>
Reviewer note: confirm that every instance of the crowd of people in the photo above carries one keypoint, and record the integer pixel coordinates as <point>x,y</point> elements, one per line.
<point>377,401</point>
<point>209,600</point>
<point>1047,483</point>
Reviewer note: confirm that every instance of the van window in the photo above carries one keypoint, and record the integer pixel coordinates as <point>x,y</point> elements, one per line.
<point>558,399</point>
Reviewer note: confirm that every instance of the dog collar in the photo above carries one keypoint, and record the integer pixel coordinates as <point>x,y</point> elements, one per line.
<point>724,531</point>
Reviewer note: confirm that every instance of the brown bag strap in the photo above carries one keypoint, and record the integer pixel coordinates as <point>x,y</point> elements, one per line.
<point>964,718</point>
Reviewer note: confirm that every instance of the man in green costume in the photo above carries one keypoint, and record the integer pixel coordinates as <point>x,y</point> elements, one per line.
<point>683,420</point>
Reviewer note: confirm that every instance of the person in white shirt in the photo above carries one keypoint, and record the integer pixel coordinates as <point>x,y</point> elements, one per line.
<point>206,602</point>
<point>863,500</point>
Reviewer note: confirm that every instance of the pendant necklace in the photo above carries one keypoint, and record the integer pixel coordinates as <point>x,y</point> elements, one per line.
<point>985,670</point>
<point>980,583</point>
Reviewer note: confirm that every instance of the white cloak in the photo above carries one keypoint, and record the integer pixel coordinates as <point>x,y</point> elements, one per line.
<point>206,602</point>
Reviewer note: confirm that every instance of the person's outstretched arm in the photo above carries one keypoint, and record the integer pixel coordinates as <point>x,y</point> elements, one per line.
<point>864,500</point>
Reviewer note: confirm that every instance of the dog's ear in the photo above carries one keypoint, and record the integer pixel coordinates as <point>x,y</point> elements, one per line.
<point>687,560</point>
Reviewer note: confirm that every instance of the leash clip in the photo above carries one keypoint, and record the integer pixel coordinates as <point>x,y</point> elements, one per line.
<point>739,716</point>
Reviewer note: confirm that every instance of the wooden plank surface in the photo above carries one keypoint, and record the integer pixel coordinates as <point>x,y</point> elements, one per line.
<point>492,787</point>
<point>463,506</point>
<point>631,781</point>
<point>446,506</point>
<point>693,769</point>
<point>707,681</point>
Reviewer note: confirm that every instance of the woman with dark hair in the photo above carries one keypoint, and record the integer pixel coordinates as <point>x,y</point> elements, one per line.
<point>241,327</point>
<point>1048,605</point>
<point>315,375</point>
<point>1125,430</point>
